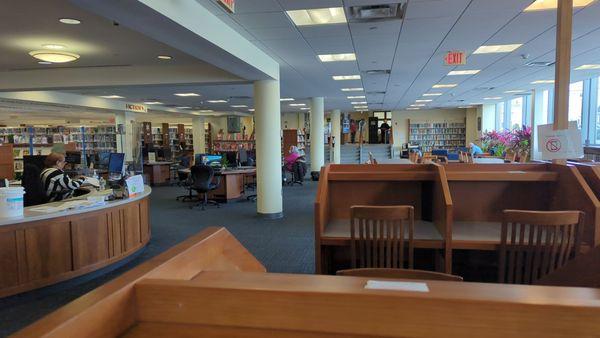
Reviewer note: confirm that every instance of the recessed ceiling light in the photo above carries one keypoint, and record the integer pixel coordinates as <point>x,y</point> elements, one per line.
<point>412,108</point>
<point>217,101</point>
<point>152,102</point>
<point>361,107</point>
<point>514,91</point>
<point>111,97</point>
<point>346,77</point>
<point>54,56</point>
<point>70,21</point>
<point>540,5</point>
<point>184,107</point>
<point>357,89</point>
<point>164,57</point>
<point>497,48</point>
<point>337,57</point>
<point>464,72</point>
<point>449,85</point>
<point>359,102</point>
<point>432,94</point>
<point>542,82</point>
<point>205,111</point>
<point>317,16</point>
<point>585,67</point>
<point>417,105</point>
<point>287,99</point>
<point>356,97</point>
<point>54,46</point>
<point>297,104</point>
<point>423,100</point>
<point>187,94</point>
<point>239,106</point>
<point>493,98</point>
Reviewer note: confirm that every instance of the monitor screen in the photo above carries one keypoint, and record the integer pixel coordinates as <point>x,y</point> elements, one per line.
<point>103,159</point>
<point>210,159</point>
<point>73,157</point>
<point>115,163</point>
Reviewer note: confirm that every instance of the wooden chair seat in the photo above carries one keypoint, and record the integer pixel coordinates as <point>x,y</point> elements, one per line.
<point>399,274</point>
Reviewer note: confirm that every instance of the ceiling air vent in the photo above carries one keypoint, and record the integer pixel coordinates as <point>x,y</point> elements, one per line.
<point>539,64</point>
<point>484,88</point>
<point>376,12</point>
<point>375,93</point>
<point>378,72</point>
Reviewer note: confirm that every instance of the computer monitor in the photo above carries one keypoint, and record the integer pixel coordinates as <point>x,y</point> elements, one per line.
<point>115,163</point>
<point>73,157</point>
<point>103,159</point>
<point>210,159</point>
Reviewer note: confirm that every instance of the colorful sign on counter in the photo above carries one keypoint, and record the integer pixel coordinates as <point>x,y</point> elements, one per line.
<point>229,5</point>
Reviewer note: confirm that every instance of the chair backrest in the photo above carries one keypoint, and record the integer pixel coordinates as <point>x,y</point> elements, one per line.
<point>399,274</point>
<point>535,243</point>
<point>32,183</point>
<point>377,235</point>
<point>523,156</point>
<point>413,157</point>
<point>440,152</point>
<point>510,156</point>
<point>202,176</point>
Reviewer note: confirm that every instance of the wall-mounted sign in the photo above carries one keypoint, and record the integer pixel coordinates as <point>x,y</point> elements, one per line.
<point>455,58</point>
<point>229,5</point>
<point>560,144</point>
<point>138,108</point>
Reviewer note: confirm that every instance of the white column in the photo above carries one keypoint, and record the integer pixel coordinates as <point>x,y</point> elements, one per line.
<point>336,132</point>
<point>267,118</point>
<point>317,137</point>
<point>198,133</point>
<point>126,139</point>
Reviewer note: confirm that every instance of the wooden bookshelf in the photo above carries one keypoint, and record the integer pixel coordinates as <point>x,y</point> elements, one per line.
<point>431,135</point>
<point>7,166</point>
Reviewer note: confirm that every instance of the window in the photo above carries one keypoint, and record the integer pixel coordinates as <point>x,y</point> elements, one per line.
<point>597,110</point>
<point>545,118</point>
<point>576,102</point>
<point>516,113</point>
<point>500,116</point>
<point>383,117</point>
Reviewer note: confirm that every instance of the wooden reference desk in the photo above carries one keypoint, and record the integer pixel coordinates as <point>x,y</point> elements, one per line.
<point>210,286</point>
<point>457,205</point>
<point>232,183</point>
<point>158,172</point>
<point>39,249</point>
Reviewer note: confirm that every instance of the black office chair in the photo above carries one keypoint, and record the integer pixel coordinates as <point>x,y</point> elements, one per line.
<point>202,177</point>
<point>185,181</point>
<point>32,183</point>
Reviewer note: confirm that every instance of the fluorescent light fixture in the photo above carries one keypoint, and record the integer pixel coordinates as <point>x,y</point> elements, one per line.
<point>346,77</point>
<point>287,99</point>
<point>464,107</point>
<point>432,94</point>
<point>306,108</point>
<point>497,48</point>
<point>448,85</point>
<point>69,21</point>
<point>337,57</point>
<point>542,5</point>
<point>250,109</point>
<point>164,57</point>
<point>54,46</point>
<point>153,102</point>
<point>361,107</point>
<point>417,105</point>
<point>359,102</point>
<point>183,107</point>
<point>356,97</point>
<point>514,91</point>
<point>493,98</point>
<point>586,67</point>
<point>297,104</point>
<point>205,111</point>
<point>542,82</point>
<point>187,94</point>
<point>217,101</point>
<point>54,56</point>
<point>423,100</point>
<point>317,16</point>
<point>357,89</point>
<point>412,108</point>
<point>111,97</point>
<point>239,106</point>
<point>464,72</point>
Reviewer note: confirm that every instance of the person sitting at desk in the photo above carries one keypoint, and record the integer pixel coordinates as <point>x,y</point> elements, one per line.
<point>475,150</point>
<point>186,160</point>
<point>55,182</point>
<point>294,163</point>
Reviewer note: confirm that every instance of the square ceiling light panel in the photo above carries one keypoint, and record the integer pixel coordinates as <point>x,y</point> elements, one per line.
<point>542,82</point>
<point>356,89</point>
<point>489,49</point>
<point>543,5</point>
<point>586,67</point>
<point>464,72</point>
<point>448,85</point>
<point>337,57</point>
<point>346,77</point>
<point>317,16</point>
<point>432,94</point>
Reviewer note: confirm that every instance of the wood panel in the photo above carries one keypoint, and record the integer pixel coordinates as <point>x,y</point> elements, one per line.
<point>116,235</point>
<point>48,249</point>
<point>145,226</point>
<point>131,227</point>
<point>9,268</point>
<point>90,240</point>
<point>7,166</point>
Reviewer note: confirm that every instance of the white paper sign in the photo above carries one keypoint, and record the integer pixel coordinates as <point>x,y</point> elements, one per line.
<point>560,144</point>
<point>135,185</point>
<point>151,157</point>
<point>396,286</point>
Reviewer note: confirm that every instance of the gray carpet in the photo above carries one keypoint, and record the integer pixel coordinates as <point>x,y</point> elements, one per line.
<point>282,245</point>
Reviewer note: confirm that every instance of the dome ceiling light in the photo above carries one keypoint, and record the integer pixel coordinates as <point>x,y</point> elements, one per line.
<point>54,56</point>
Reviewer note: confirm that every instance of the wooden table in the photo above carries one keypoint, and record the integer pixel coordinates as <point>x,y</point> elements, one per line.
<point>231,182</point>
<point>158,172</point>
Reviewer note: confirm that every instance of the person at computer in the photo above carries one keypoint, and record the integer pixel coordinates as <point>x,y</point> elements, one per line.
<point>475,150</point>
<point>294,163</point>
<point>55,182</point>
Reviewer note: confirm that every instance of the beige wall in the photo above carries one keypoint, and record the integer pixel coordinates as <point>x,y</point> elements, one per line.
<point>290,120</point>
<point>400,120</point>
<point>472,134</point>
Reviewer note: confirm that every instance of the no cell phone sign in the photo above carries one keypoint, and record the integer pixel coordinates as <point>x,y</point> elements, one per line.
<point>553,145</point>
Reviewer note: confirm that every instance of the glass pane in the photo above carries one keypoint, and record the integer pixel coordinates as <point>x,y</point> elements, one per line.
<point>545,106</point>
<point>575,102</point>
<point>379,114</point>
<point>500,116</point>
<point>598,117</point>
<point>516,113</point>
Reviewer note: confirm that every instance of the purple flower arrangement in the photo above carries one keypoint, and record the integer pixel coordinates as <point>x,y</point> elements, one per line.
<point>497,142</point>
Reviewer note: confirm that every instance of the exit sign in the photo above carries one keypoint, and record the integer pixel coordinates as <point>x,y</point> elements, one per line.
<point>229,5</point>
<point>455,58</point>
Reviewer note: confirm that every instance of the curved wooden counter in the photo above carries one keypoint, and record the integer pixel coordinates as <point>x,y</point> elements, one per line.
<point>37,250</point>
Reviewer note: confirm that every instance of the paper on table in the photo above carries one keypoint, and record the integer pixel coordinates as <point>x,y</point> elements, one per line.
<point>92,181</point>
<point>397,286</point>
<point>70,205</point>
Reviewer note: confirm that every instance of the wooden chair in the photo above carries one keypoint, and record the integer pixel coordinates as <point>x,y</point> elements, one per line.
<point>377,236</point>
<point>399,274</point>
<point>535,243</point>
<point>413,157</point>
<point>523,156</point>
<point>510,156</point>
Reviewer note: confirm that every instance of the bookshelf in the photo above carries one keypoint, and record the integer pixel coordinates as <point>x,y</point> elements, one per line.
<point>437,134</point>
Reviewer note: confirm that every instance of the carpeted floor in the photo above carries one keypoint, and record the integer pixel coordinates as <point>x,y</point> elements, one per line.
<point>282,245</point>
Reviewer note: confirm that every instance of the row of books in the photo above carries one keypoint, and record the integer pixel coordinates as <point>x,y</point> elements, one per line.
<point>437,130</point>
<point>438,125</point>
<point>437,137</point>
